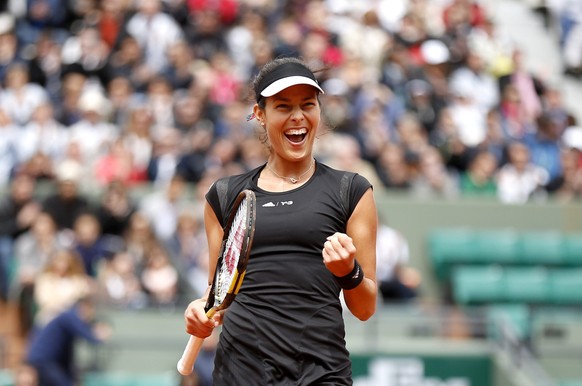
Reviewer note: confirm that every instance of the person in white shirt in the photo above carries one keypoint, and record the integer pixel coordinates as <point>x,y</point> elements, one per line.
<point>20,97</point>
<point>155,32</point>
<point>397,281</point>
<point>519,179</point>
<point>43,134</point>
<point>93,133</point>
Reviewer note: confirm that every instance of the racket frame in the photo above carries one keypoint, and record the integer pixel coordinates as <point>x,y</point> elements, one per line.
<point>186,363</point>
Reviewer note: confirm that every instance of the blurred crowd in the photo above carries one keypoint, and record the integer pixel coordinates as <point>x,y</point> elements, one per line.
<point>102,99</point>
<point>565,17</point>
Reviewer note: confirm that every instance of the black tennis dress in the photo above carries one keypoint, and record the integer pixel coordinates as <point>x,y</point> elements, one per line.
<point>285,326</point>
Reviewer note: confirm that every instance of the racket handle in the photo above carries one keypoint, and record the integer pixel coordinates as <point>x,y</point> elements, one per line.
<point>186,363</point>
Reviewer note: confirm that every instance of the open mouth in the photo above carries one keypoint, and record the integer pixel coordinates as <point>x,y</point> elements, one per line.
<point>296,135</point>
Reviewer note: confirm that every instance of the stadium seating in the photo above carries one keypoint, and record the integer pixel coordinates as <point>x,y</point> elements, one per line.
<point>572,250</point>
<point>541,247</point>
<point>448,247</point>
<point>476,284</point>
<point>532,266</point>
<point>533,285</point>
<point>497,246</point>
<point>526,285</point>
<point>565,286</point>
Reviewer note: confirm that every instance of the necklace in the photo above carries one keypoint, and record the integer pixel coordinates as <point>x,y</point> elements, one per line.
<point>293,180</point>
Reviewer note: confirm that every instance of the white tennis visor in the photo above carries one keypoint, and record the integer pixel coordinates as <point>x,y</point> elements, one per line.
<point>283,83</point>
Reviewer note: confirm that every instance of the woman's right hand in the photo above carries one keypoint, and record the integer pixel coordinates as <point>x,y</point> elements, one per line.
<point>197,323</point>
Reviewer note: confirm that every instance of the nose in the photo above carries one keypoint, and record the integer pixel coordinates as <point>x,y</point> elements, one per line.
<point>297,114</point>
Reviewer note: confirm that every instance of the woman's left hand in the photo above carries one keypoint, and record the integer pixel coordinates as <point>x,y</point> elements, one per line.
<point>339,253</point>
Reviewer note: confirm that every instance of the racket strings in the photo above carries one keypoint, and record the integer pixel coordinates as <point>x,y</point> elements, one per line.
<point>232,252</point>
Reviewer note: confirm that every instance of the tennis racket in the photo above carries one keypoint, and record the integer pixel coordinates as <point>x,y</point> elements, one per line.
<point>230,268</point>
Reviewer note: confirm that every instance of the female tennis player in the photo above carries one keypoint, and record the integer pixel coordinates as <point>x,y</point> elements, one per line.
<point>315,237</point>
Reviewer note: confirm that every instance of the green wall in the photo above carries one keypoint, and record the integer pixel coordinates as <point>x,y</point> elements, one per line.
<point>415,218</point>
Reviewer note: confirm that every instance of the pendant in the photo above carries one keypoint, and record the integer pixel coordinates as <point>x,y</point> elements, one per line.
<point>293,180</point>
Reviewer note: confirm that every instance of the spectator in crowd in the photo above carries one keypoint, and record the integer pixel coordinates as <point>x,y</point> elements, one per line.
<point>139,238</point>
<point>111,16</point>
<point>45,67</point>
<point>392,167</point>
<point>472,76</point>
<point>420,102</point>
<point>166,154</point>
<point>159,277</point>
<point>347,156</point>
<point>519,179</point>
<point>41,15</point>
<point>93,133</point>
<point>86,52</point>
<point>118,164</point>
<point>397,280</point>
<point>51,350</point>
<point>179,70</point>
<point>67,107</point>
<point>527,86</point>
<point>544,146</point>
<point>206,35</point>
<point>59,285</point>
<point>570,19</point>
<point>188,253</point>
<point>155,31</point>
<point>114,210</point>
<point>159,99</point>
<point>479,178</point>
<point>193,162</point>
<point>494,141</point>
<point>433,178</point>
<point>32,251</point>
<point>162,208</point>
<point>137,135</point>
<point>555,108</point>
<point>68,202</point>
<point>9,48</point>
<point>127,61</point>
<point>43,134</point>
<point>18,211</point>
<point>567,186</point>
<point>18,96</point>
<point>119,282</point>
<point>121,93</point>
<point>89,243</point>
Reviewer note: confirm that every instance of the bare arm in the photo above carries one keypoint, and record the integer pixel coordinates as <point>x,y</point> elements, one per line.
<point>341,251</point>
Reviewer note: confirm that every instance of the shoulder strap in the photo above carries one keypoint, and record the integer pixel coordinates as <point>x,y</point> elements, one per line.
<point>345,185</point>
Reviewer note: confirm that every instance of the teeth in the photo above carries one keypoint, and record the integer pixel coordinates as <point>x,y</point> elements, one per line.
<point>296,132</point>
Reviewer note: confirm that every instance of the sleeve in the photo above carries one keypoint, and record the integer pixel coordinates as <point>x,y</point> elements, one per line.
<point>82,329</point>
<point>212,199</point>
<point>359,186</point>
<point>218,198</point>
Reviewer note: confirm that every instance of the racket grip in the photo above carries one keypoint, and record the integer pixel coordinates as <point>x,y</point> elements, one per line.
<point>186,362</point>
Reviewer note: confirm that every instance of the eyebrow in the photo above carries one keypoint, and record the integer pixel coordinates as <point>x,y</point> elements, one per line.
<point>283,99</point>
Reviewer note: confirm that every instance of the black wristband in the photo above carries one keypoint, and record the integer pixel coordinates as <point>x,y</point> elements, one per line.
<point>352,279</point>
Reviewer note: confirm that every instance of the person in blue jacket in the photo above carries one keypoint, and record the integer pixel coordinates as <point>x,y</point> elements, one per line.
<point>51,349</point>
